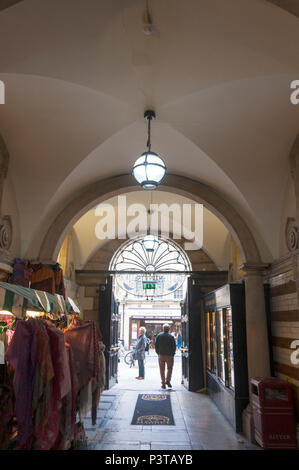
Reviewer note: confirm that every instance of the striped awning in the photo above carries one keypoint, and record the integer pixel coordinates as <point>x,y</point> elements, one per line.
<point>18,299</point>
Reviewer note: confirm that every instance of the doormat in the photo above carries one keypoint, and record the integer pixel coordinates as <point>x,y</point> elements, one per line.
<point>153,410</point>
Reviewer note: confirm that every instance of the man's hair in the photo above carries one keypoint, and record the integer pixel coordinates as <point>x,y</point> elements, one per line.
<point>143,329</point>
<point>166,327</point>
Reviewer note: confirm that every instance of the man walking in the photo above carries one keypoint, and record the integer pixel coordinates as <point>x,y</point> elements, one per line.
<point>165,347</point>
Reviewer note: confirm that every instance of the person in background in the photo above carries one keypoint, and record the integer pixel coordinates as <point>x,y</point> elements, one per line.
<point>179,340</point>
<point>175,337</point>
<point>165,347</point>
<point>139,352</point>
<point>149,340</point>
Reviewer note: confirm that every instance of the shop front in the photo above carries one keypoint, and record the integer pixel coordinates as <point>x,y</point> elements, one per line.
<point>153,327</point>
<point>226,357</point>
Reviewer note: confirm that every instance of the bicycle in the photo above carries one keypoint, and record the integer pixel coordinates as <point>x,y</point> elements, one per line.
<point>129,359</point>
<point>121,351</point>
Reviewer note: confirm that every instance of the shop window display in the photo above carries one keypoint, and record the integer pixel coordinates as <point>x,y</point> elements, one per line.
<point>229,348</point>
<point>227,376</point>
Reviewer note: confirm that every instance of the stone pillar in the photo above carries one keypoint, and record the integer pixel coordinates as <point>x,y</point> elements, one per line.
<point>6,229</point>
<point>258,357</point>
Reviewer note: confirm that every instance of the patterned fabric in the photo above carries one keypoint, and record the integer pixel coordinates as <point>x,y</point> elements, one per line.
<point>83,336</point>
<point>80,441</point>
<point>61,381</point>
<point>43,389</point>
<point>67,413</point>
<point>42,379</point>
<point>42,278</point>
<point>22,356</point>
<point>48,377</point>
<point>59,282</point>
<point>20,274</point>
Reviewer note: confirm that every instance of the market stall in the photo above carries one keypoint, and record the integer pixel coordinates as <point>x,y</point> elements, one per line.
<point>48,381</point>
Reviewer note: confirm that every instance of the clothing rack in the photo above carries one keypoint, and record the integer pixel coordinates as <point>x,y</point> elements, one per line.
<point>66,426</point>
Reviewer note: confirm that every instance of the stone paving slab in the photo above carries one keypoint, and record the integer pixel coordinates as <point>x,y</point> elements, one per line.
<point>105,405</point>
<point>114,425</point>
<point>199,425</point>
<point>120,446</point>
<point>145,447</point>
<point>168,428</point>
<point>215,441</point>
<point>139,436</point>
<point>159,446</point>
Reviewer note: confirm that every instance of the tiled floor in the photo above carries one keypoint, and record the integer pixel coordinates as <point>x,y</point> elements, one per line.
<point>199,425</point>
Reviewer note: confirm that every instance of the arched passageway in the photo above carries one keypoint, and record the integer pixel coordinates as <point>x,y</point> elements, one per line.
<point>195,190</point>
<point>255,302</point>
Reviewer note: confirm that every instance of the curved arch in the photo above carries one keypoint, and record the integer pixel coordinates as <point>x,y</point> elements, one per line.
<point>102,190</point>
<point>120,242</point>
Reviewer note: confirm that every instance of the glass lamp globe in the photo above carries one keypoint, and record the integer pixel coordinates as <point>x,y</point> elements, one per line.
<point>149,170</point>
<point>149,242</point>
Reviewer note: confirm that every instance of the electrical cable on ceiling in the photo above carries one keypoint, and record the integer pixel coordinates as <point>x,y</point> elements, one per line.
<point>147,21</point>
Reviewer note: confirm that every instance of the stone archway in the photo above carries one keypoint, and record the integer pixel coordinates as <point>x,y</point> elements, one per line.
<point>105,189</point>
<point>257,345</point>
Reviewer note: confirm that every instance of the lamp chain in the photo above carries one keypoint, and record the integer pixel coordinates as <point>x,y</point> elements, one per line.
<point>149,134</point>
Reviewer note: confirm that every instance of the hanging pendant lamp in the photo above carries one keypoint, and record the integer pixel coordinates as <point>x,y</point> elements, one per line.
<point>150,242</point>
<point>149,169</point>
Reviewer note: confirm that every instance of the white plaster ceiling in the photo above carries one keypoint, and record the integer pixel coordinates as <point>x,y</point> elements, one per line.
<point>79,75</point>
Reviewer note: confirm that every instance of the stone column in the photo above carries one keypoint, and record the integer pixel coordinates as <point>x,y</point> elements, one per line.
<point>258,357</point>
<point>6,229</point>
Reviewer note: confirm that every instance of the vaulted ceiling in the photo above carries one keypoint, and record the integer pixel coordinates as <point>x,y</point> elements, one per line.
<point>8,3</point>
<point>79,75</point>
<point>292,6</point>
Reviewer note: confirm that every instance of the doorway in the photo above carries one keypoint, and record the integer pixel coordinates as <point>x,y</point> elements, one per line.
<point>181,308</point>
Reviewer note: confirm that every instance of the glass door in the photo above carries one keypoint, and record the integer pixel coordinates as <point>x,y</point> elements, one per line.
<point>213,341</point>
<point>208,342</point>
<point>229,348</point>
<point>220,346</point>
<point>185,343</point>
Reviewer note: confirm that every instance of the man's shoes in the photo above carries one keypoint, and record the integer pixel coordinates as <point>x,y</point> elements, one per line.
<point>163,386</point>
<point>169,384</point>
<point>139,378</point>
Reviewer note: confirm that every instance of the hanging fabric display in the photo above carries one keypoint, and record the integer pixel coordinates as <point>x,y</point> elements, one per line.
<point>54,383</point>
<point>48,278</point>
<point>42,278</point>
<point>59,282</point>
<point>84,338</point>
<point>20,274</point>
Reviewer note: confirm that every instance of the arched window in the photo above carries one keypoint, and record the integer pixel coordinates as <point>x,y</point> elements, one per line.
<point>153,268</point>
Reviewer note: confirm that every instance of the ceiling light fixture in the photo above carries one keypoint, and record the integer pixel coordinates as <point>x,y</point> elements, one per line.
<point>149,169</point>
<point>147,21</point>
<point>150,242</point>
